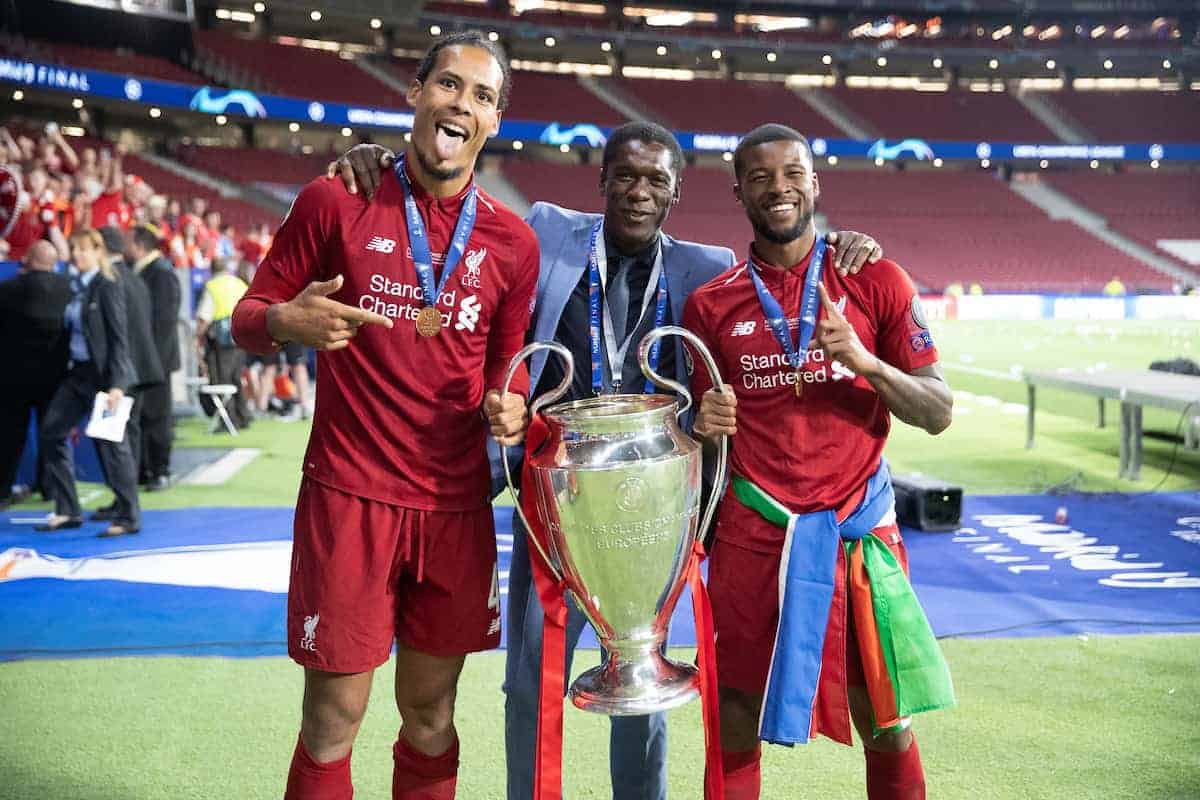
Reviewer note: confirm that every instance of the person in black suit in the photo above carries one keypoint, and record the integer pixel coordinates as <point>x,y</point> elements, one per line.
<point>156,272</point>
<point>33,350</point>
<point>99,351</point>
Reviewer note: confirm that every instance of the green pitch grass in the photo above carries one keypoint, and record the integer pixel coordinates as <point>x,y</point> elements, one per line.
<point>1092,717</point>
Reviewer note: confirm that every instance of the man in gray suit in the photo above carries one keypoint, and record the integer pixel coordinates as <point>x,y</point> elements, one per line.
<point>645,277</point>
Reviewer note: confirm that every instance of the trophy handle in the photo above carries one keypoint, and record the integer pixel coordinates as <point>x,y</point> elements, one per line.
<point>723,445</point>
<point>537,405</point>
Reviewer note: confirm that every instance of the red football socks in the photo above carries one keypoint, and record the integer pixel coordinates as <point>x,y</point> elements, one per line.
<point>308,779</point>
<point>743,777</point>
<point>420,777</point>
<point>895,776</point>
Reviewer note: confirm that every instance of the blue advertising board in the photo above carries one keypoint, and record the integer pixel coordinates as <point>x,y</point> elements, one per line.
<point>252,105</point>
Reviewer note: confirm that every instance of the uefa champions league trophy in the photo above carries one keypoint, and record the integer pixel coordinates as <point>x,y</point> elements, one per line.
<point>617,488</point>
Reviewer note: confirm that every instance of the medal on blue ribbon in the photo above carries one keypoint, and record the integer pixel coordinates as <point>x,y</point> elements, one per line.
<point>598,305</point>
<point>796,353</point>
<point>429,319</point>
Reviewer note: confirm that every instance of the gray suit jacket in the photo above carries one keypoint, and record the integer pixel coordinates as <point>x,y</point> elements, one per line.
<point>563,240</point>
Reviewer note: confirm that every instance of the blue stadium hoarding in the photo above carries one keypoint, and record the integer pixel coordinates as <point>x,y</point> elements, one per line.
<point>252,105</point>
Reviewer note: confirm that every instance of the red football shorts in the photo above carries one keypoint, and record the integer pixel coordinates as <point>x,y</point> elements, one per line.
<point>743,586</point>
<point>366,573</point>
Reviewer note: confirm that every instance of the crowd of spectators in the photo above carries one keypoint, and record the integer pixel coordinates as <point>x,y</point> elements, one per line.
<point>67,191</point>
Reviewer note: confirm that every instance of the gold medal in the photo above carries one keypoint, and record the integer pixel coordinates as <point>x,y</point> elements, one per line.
<point>429,322</point>
<point>799,382</point>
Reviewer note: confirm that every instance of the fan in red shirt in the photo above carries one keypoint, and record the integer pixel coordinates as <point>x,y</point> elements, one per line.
<point>393,533</point>
<point>808,421</point>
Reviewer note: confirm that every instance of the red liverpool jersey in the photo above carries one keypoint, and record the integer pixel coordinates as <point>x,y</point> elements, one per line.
<point>398,415</point>
<point>815,451</point>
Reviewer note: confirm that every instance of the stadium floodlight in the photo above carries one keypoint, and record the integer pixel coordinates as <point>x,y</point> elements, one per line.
<point>993,64</point>
<point>727,156</point>
<point>518,145</point>
<point>878,161</point>
<point>294,127</point>
<point>606,46</point>
<point>493,36</point>
<point>550,41</point>
<point>1166,63</point>
<point>408,136</point>
<point>376,23</point>
<point>155,112</point>
<point>937,162</point>
<point>1051,63</point>
<point>347,132</point>
<point>1108,64</point>
<point>661,50</point>
<point>18,95</point>
<point>832,161</point>
<point>1044,163</point>
<point>1154,164</point>
<point>772,57</point>
<point>435,30</point>
<point>937,63</point>
<point>315,15</point>
<point>222,119</point>
<point>716,54</point>
<point>77,102</point>
<point>564,148</point>
<point>1095,164</point>
<point>881,61</point>
<point>1098,31</point>
<point>985,163</point>
<point>827,59</point>
<point>260,8</point>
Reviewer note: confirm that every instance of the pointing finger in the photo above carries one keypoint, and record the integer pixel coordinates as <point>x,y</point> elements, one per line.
<point>363,316</point>
<point>830,308</point>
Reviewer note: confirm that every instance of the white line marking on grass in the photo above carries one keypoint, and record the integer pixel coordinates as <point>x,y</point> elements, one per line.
<point>989,373</point>
<point>224,468</point>
<point>89,497</point>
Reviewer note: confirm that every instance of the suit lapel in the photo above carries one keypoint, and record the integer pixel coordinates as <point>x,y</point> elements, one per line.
<point>567,267</point>
<point>679,272</point>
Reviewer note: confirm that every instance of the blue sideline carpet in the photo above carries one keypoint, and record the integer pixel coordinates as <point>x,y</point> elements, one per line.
<point>213,581</point>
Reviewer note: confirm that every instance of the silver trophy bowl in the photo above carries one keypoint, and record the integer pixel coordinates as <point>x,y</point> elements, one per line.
<point>617,486</point>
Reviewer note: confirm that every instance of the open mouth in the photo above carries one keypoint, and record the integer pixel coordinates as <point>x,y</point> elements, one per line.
<point>781,209</point>
<point>449,139</point>
<point>635,216</point>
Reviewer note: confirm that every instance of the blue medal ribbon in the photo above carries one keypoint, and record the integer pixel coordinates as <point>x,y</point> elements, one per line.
<point>616,354</point>
<point>796,353</point>
<point>419,241</point>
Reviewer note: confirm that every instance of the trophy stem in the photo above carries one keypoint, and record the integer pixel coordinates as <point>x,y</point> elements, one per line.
<point>638,681</point>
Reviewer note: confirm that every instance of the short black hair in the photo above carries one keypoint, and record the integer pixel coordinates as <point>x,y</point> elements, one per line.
<point>771,132</point>
<point>648,132</point>
<point>471,38</point>
<point>146,237</point>
<point>114,240</point>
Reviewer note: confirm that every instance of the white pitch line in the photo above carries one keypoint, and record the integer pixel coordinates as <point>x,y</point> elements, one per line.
<point>990,373</point>
<point>223,468</point>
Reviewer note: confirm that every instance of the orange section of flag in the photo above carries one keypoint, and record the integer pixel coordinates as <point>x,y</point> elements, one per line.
<point>879,682</point>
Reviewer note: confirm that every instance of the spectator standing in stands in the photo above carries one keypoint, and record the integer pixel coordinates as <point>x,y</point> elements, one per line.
<point>153,269</point>
<point>33,352</point>
<point>396,466</point>
<point>223,359</point>
<point>810,496</point>
<point>649,276</point>
<point>97,320</point>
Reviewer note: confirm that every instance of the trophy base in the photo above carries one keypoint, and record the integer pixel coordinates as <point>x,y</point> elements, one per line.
<point>646,686</point>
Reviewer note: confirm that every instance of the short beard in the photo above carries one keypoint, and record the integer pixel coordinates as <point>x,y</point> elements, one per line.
<point>783,237</point>
<point>436,172</point>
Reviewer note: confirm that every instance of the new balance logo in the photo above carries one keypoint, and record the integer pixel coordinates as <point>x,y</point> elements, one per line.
<point>381,245</point>
<point>468,314</point>
<point>309,642</point>
<point>745,328</point>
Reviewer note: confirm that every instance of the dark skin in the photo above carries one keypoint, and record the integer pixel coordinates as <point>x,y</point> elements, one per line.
<point>461,91</point>
<point>778,188</point>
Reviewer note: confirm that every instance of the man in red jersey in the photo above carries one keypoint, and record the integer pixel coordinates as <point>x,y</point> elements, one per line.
<point>809,494</point>
<point>393,535</point>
